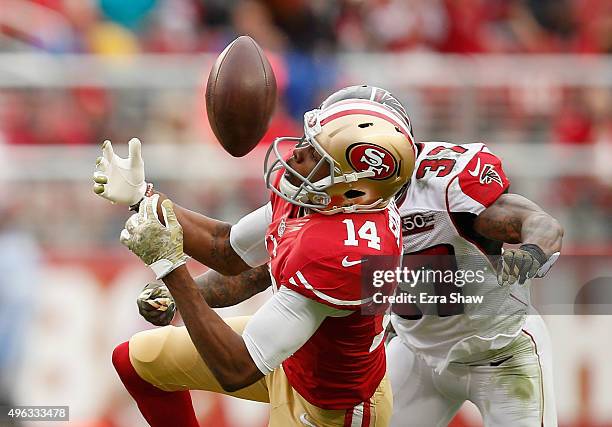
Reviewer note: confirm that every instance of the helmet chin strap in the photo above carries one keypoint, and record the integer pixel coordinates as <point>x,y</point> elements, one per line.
<point>290,190</point>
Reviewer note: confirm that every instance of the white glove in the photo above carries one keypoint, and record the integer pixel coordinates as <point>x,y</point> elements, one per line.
<point>120,180</point>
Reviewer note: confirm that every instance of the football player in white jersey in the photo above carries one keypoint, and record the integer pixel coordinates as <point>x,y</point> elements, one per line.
<point>495,353</point>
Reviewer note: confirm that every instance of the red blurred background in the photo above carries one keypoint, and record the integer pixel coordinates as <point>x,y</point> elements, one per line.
<point>531,78</point>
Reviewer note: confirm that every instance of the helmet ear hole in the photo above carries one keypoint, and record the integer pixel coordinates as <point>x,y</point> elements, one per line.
<point>352,194</point>
<point>365,125</point>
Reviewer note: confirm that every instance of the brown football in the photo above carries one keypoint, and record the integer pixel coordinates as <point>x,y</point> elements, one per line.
<point>240,96</point>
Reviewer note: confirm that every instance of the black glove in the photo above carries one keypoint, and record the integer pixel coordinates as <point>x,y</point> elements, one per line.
<point>520,264</point>
<point>156,304</point>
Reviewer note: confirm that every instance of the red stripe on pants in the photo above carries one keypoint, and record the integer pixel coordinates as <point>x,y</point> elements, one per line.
<point>366,414</point>
<point>348,417</point>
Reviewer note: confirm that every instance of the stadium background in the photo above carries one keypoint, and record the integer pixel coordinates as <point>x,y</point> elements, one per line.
<point>531,78</point>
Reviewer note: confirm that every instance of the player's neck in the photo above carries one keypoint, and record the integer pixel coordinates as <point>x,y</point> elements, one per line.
<point>302,211</point>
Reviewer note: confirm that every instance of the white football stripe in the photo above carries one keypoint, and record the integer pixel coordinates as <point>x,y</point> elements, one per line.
<point>363,105</point>
<point>357,416</point>
<point>325,297</point>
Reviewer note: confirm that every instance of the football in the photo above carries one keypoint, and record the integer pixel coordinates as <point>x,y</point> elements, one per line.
<point>240,96</point>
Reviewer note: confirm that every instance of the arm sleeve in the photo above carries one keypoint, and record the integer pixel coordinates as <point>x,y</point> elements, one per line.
<point>478,185</point>
<point>247,237</point>
<point>282,325</point>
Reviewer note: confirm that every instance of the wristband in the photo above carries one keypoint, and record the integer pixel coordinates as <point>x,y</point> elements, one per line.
<point>547,265</point>
<point>535,251</point>
<point>148,193</point>
<point>163,267</point>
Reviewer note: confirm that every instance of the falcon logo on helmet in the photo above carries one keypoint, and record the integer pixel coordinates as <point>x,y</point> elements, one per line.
<point>369,157</point>
<point>385,98</point>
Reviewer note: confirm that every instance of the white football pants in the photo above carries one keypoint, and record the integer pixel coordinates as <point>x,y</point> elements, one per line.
<point>518,392</point>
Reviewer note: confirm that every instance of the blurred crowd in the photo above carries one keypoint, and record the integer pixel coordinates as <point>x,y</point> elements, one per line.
<point>187,26</point>
<point>306,41</point>
<point>301,38</point>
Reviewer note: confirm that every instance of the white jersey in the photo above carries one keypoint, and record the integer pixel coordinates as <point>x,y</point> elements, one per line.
<point>451,185</point>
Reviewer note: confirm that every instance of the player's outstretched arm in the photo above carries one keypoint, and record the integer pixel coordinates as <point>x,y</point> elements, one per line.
<point>224,291</point>
<point>161,247</point>
<point>515,219</point>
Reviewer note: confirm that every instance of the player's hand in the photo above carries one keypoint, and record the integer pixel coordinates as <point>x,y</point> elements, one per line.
<point>156,304</point>
<point>519,265</point>
<point>159,246</point>
<point>120,180</point>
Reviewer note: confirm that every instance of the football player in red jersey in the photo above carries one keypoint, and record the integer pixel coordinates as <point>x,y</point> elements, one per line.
<point>310,350</point>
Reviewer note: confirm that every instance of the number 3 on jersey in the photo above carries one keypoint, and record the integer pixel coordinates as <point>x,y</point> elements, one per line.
<point>366,232</point>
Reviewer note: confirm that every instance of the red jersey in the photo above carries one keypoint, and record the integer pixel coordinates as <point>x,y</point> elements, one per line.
<point>319,256</point>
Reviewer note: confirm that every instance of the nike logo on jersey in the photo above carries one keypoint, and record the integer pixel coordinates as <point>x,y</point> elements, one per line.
<point>494,363</point>
<point>499,362</point>
<point>347,263</point>
<point>487,175</point>
<point>476,170</point>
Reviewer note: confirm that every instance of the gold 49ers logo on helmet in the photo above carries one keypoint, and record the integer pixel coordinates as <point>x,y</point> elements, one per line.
<point>365,156</point>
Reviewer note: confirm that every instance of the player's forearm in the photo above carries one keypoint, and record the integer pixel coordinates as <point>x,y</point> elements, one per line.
<point>543,230</point>
<point>207,240</point>
<point>224,291</point>
<point>515,219</point>
<point>223,350</point>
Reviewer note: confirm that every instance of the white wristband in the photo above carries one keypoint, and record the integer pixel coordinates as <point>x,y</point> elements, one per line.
<point>547,265</point>
<point>163,267</point>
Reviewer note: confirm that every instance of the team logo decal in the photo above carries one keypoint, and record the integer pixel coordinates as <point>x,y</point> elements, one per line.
<point>364,156</point>
<point>489,175</point>
<point>418,223</point>
<point>389,100</point>
<point>311,118</point>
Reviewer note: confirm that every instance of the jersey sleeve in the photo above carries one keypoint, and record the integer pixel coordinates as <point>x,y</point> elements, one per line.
<point>281,326</point>
<point>247,237</point>
<point>478,185</point>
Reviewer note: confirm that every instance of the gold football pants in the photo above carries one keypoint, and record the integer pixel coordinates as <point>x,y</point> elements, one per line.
<point>166,358</point>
